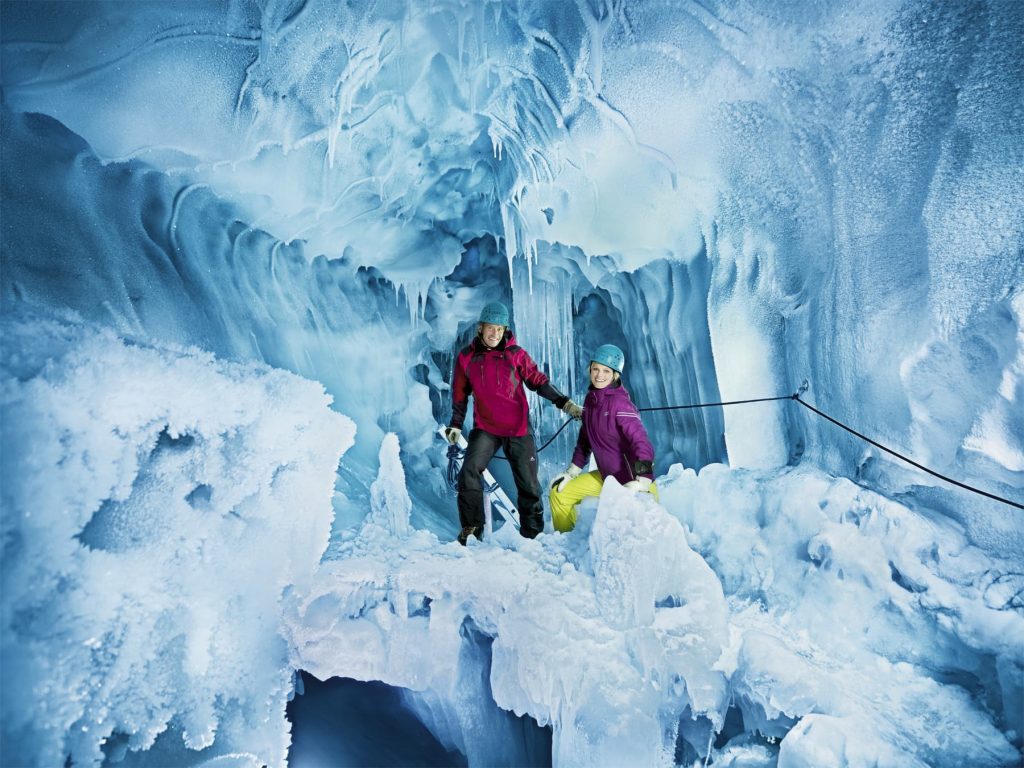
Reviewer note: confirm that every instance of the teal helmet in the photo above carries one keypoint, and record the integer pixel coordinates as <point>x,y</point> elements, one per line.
<point>610,355</point>
<point>494,313</point>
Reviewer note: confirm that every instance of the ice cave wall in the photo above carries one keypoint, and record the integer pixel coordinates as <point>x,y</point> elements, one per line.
<point>819,174</point>
<point>743,195</point>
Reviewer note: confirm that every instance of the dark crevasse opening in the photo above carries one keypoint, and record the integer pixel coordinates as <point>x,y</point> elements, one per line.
<point>343,722</point>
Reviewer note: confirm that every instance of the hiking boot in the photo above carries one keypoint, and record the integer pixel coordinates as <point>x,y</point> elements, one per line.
<point>469,530</point>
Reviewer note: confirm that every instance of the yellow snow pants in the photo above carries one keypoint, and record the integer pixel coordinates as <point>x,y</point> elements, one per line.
<point>564,502</point>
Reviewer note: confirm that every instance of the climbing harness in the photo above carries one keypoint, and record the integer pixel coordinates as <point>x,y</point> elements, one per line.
<point>795,396</point>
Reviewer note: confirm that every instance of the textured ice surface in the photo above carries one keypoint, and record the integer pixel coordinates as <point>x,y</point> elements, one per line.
<point>608,635</point>
<point>159,507</point>
<point>889,627</point>
<point>845,629</point>
<point>741,195</point>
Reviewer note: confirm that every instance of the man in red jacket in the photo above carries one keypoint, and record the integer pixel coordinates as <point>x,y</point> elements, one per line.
<point>493,369</point>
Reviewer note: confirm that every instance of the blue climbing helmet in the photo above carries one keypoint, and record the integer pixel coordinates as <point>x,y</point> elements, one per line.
<point>610,355</point>
<point>494,313</point>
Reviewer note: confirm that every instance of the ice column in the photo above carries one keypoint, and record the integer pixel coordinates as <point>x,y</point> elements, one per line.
<point>389,499</point>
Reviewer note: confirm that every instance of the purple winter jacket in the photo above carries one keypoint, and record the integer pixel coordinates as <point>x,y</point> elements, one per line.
<point>613,432</point>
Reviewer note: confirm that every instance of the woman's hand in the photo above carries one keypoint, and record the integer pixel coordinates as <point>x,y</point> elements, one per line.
<point>640,485</point>
<point>561,480</point>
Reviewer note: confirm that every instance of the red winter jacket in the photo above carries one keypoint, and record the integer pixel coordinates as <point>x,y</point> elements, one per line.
<point>495,378</point>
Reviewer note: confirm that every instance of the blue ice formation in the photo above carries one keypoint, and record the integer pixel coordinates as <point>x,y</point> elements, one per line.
<point>243,239</point>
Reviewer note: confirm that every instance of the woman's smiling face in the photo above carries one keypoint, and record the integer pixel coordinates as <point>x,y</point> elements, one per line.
<point>601,375</point>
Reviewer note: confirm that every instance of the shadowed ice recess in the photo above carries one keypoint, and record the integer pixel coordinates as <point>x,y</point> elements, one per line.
<point>242,243</point>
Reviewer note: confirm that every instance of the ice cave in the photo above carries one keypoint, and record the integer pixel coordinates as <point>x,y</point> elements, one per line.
<point>243,243</point>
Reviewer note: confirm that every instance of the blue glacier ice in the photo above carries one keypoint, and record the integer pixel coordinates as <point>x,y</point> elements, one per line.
<point>241,244</point>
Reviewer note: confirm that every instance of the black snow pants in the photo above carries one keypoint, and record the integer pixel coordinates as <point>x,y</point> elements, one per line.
<point>522,456</point>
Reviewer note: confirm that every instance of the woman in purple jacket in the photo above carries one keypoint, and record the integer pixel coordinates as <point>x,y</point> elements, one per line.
<point>613,433</point>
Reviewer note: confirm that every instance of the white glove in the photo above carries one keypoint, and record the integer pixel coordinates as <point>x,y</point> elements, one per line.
<point>559,482</point>
<point>452,435</point>
<point>573,410</point>
<point>640,485</point>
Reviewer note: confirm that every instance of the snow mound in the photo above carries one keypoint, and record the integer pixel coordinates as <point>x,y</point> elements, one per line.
<point>157,505</point>
<point>863,632</point>
<point>757,618</point>
<point>609,642</point>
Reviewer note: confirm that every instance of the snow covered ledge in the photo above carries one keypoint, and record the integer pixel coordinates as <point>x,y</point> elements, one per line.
<point>157,504</point>
<point>608,634</point>
<point>621,636</point>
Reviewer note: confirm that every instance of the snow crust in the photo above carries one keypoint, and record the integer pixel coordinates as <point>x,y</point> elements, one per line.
<point>608,635</point>
<point>160,507</point>
<point>863,620</point>
<point>843,627</point>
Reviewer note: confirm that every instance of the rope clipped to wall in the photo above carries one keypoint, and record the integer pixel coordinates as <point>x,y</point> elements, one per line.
<point>796,397</point>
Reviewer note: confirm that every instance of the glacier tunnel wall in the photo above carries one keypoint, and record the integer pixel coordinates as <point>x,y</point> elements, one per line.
<point>814,174</point>
<point>743,196</point>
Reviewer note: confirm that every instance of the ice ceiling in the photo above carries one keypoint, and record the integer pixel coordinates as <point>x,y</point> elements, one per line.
<point>750,194</point>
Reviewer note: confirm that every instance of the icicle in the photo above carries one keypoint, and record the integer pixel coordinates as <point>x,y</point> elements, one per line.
<point>529,272</point>
<point>335,131</point>
<point>532,257</point>
<point>398,288</point>
<point>461,42</point>
<point>511,241</point>
<point>415,300</point>
<point>711,741</point>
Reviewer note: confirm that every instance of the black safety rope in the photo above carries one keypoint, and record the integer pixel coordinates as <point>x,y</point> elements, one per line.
<point>552,438</point>
<point>505,458</point>
<point>901,456</point>
<point>795,396</point>
<point>711,405</point>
